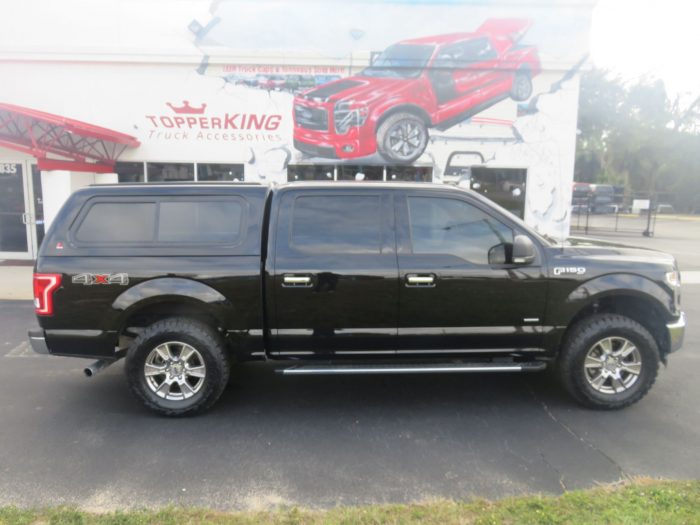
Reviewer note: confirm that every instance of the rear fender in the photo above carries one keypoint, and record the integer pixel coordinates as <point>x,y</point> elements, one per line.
<point>169,289</point>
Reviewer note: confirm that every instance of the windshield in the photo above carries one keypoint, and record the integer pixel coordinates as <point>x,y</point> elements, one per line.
<point>400,61</point>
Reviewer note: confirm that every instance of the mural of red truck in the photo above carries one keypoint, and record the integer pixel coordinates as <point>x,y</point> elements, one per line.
<point>412,86</point>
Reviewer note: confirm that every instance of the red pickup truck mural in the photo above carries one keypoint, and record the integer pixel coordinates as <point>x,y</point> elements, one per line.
<point>412,86</point>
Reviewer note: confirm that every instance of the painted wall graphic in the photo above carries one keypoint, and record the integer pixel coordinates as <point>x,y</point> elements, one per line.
<point>272,83</point>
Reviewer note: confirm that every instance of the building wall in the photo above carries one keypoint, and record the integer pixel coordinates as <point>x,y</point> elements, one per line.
<point>180,76</point>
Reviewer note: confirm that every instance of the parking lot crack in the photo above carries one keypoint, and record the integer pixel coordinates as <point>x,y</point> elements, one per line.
<point>575,435</point>
<point>556,470</point>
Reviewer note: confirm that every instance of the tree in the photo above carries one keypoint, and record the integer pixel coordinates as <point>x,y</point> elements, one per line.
<point>633,134</point>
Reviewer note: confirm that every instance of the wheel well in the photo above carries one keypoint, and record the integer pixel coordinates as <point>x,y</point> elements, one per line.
<point>149,314</point>
<point>414,110</point>
<point>645,311</point>
<point>525,68</point>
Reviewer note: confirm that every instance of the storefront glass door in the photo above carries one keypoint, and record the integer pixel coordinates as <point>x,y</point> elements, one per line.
<point>17,233</point>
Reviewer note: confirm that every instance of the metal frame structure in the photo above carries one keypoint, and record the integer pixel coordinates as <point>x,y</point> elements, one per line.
<point>84,147</point>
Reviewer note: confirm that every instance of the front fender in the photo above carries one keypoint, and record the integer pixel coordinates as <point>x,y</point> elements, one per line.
<point>169,288</point>
<point>617,284</point>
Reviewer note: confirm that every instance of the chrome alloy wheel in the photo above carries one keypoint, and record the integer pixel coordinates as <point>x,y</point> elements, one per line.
<point>613,365</point>
<point>174,371</point>
<point>406,138</point>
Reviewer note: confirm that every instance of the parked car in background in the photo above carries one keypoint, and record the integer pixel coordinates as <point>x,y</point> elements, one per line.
<point>602,198</point>
<point>272,82</point>
<point>665,208</point>
<point>414,85</point>
<point>296,83</point>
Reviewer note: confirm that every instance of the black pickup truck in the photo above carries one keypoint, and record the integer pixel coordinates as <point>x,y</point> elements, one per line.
<point>187,280</point>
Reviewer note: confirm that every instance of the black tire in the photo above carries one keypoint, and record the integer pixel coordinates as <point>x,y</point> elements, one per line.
<point>204,339</point>
<point>521,89</point>
<point>583,337</point>
<point>387,139</point>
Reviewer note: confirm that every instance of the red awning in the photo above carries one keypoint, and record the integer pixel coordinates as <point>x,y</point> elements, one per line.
<point>82,146</point>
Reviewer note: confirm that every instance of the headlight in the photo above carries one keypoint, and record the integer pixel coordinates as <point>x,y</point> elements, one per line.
<point>347,114</point>
<point>673,279</point>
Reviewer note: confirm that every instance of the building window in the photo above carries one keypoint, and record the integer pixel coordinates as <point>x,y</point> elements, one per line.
<point>346,172</point>
<point>129,171</point>
<point>504,186</point>
<point>170,171</point>
<point>310,172</point>
<point>409,173</point>
<point>223,172</point>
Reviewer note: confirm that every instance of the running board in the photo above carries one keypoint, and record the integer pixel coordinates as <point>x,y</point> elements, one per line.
<point>412,368</point>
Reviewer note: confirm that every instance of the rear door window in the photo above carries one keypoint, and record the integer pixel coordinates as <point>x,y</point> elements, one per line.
<point>337,224</point>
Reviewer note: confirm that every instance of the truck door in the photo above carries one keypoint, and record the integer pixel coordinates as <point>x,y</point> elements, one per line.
<point>458,292</point>
<point>333,281</point>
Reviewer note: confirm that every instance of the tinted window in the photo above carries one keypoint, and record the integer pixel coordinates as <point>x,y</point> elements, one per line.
<point>208,172</point>
<point>129,171</point>
<point>167,172</point>
<point>337,223</point>
<point>455,227</point>
<point>210,221</point>
<point>123,222</point>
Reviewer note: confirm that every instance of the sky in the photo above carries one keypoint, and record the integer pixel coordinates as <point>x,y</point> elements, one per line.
<point>660,38</point>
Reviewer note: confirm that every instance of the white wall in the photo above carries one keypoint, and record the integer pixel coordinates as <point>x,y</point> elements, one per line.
<point>58,185</point>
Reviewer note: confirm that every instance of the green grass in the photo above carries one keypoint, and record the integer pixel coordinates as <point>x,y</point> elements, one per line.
<point>639,502</point>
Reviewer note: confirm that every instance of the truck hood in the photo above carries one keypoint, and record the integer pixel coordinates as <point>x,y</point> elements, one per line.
<point>599,251</point>
<point>358,89</point>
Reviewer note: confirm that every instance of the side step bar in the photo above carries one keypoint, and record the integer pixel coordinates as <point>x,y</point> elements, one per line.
<point>435,368</point>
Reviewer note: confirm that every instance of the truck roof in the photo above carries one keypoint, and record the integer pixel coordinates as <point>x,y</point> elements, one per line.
<point>205,187</point>
<point>441,39</point>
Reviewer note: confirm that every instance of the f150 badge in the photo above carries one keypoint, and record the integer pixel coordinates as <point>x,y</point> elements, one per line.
<point>571,270</point>
<point>89,279</point>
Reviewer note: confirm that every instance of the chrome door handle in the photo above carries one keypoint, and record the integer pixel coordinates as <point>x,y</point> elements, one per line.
<point>420,280</point>
<point>296,280</point>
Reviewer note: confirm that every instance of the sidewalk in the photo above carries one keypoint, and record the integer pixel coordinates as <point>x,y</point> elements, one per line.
<point>16,282</point>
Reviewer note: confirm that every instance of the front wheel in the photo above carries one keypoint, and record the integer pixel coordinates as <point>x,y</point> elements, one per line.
<point>178,366</point>
<point>522,87</point>
<point>608,361</point>
<point>402,138</point>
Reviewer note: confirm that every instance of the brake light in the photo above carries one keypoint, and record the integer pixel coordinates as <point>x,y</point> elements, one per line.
<point>45,284</point>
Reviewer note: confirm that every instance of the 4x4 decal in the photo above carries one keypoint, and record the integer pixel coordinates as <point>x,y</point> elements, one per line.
<point>89,279</point>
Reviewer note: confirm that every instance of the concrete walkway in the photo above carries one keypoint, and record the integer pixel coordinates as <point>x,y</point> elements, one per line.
<point>16,282</point>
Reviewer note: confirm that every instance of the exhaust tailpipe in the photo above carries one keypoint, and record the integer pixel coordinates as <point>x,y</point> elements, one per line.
<point>96,367</point>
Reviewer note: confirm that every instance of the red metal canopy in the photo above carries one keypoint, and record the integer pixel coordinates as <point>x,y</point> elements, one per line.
<point>83,146</point>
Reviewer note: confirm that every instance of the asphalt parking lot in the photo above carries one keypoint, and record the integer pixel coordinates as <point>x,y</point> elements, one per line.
<point>325,441</point>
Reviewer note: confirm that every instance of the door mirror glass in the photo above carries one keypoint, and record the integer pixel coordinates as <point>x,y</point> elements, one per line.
<point>523,250</point>
<point>500,254</point>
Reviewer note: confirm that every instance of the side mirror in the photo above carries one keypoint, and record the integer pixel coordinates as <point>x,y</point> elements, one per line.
<point>523,250</point>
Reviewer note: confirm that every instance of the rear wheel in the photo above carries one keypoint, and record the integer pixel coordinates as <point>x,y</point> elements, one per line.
<point>402,138</point>
<point>609,361</point>
<point>178,366</point>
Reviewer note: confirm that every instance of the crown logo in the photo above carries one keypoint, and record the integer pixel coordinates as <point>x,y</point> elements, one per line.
<point>187,109</point>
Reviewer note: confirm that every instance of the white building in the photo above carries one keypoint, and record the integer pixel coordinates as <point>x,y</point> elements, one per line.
<point>97,91</point>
